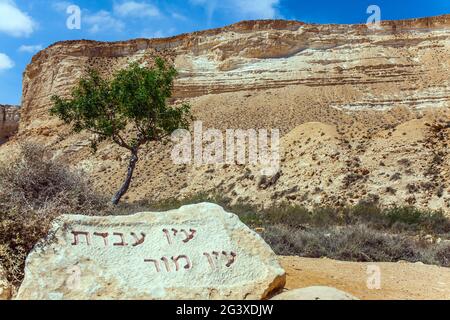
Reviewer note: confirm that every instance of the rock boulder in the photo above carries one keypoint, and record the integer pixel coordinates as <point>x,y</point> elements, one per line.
<point>195,252</point>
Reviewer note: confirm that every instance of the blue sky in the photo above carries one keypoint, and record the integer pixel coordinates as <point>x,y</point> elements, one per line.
<point>27,26</point>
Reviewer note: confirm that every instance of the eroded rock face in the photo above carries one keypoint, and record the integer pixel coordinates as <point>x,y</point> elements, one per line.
<point>315,293</point>
<point>9,121</point>
<point>268,54</point>
<point>195,252</point>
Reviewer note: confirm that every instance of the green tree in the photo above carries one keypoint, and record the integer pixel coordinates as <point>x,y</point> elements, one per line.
<point>131,109</point>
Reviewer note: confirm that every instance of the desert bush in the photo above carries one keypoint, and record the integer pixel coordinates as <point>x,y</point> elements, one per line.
<point>34,190</point>
<point>353,243</point>
<point>408,220</point>
<point>34,180</point>
<point>441,254</point>
<point>417,220</point>
<point>363,232</point>
<point>394,219</point>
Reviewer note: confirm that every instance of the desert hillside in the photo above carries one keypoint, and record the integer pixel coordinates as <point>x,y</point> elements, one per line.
<point>363,114</point>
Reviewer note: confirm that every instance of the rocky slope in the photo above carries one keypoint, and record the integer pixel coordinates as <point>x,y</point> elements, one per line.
<point>9,121</point>
<point>364,115</point>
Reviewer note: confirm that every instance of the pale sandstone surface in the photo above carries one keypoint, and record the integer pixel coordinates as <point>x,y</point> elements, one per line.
<point>364,115</point>
<point>195,252</point>
<point>314,293</point>
<point>399,281</point>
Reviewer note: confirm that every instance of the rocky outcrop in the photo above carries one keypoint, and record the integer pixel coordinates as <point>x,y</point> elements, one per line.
<point>363,113</point>
<point>9,121</point>
<point>195,252</point>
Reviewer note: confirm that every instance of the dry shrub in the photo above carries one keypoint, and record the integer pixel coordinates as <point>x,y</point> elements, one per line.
<point>359,233</point>
<point>35,180</point>
<point>34,190</point>
<point>354,243</point>
<point>441,254</point>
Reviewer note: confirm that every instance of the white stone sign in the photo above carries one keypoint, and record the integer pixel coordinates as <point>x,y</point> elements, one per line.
<point>195,252</point>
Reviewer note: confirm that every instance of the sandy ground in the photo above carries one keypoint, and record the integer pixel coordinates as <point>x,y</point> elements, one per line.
<point>404,281</point>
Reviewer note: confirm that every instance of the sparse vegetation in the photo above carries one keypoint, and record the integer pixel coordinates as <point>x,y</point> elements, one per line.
<point>353,243</point>
<point>33,191</point>
<point>360,233</point>
<point>36,189</point>
<point>396,176</point>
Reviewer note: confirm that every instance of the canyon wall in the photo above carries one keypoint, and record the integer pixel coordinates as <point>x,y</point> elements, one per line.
<point>408,58</point>
<point>9,121</point>
<point>363,113</point>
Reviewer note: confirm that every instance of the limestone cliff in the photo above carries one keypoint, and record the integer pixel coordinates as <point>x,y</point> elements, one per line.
<point>364,113</point>
<point>410,56</point>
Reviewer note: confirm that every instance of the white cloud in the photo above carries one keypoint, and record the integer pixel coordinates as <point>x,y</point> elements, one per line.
<point>136,9</point>
<point>262,9</point>
<point>241,9</point>
<point>30,49</point>
<point>103,21</point>
<point>61,5</point>
<point>5,62</point>
<point>178,16</point>
<point>13,21</point>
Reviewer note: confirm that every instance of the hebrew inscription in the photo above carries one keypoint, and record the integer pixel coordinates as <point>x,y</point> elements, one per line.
<point>76,237</point>
<point>171,264</point>
<point>138,238</point>
<point>215,259</point>
<point>170,235</point>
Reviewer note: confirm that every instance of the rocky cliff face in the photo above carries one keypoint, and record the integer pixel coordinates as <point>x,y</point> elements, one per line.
<point>364,113</point>
<point>9,121</point>
<point>410,56</point>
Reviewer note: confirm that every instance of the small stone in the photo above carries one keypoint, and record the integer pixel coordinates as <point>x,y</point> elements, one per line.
<point>315,293</point>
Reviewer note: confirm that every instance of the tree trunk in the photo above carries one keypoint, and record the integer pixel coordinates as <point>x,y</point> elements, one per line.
<point>124,188</point>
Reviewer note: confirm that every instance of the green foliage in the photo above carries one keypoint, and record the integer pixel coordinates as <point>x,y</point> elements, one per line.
<point>131,109</point>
